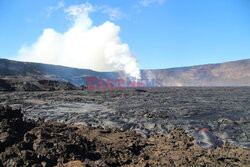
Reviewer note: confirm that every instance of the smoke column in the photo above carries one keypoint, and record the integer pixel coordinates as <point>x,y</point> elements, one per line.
<point>83,45</point>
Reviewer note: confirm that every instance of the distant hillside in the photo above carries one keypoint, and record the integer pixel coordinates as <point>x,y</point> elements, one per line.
<point>236,73</point>
<point>37,71</point>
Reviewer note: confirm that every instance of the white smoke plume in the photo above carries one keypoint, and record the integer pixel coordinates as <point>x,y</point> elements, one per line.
<point>83,45</point>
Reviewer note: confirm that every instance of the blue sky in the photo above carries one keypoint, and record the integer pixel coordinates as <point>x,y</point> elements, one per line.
<point>160,34</point>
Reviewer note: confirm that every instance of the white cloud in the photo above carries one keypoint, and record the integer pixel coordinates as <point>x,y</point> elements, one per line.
<point>51,9</point>
<point>82,9</point>
<point>149,2</point>
<point>114,13</point>
<point>83,45</point>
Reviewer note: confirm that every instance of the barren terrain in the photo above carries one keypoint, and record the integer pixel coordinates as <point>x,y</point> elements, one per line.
<point>143,127</point>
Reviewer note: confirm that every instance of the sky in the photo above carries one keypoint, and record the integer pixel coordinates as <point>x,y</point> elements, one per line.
<point>107,35</point>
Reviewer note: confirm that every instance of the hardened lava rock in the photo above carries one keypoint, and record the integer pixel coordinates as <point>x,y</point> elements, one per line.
<point>46,144</point>
<point>12,126</point>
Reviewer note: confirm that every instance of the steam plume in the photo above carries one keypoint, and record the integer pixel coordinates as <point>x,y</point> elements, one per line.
<point>83,45</point>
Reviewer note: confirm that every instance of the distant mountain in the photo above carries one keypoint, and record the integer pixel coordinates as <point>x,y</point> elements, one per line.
<point>235,73</point>
<point>38,71</point>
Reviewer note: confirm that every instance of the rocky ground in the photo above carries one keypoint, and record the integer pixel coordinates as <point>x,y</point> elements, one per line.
<point>130,127</point>
<point>57,144</point>
<point>224,111</point>
<point>27,84</point>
